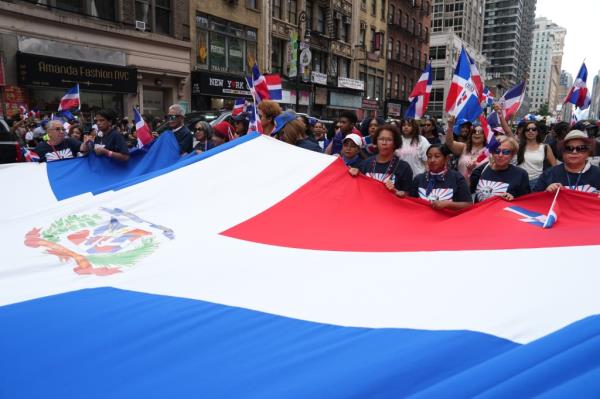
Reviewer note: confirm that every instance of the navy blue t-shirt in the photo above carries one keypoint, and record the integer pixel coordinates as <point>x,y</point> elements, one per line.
<point>398,170</point>
<point>309,144</point>
<point>486,182</point>
<point>184,139</point>
<point>112,141</point>
<point>588,181</point>
<point>67,149</point>
<point>452,187</point>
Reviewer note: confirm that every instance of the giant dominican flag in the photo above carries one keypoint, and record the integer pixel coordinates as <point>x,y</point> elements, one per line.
<point>419,97</point>
<point>579,95</point>
<point>463,98</point>
<point>193,276</point>
<point>71,100</point>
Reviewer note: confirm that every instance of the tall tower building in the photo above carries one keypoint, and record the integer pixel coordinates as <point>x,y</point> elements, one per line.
<point>507,38</point>
<point>455,24</point>
<point>546,62</point>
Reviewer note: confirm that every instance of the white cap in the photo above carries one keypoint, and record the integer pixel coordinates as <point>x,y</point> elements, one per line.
<point>355,138</point>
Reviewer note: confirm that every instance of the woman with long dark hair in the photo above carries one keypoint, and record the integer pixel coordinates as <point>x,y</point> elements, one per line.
<point>413,146</point>
<point>470,152</point>
<point>534,156</point>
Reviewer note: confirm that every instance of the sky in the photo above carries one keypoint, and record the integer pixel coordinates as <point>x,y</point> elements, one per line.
<point>581,19</point>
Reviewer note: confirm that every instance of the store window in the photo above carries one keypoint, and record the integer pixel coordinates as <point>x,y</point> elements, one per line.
<point>224,46</point>
<point>47,100</point>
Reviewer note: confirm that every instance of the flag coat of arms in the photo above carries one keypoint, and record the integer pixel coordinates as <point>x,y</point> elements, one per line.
<point>151,284</point>
<point>463,99</point>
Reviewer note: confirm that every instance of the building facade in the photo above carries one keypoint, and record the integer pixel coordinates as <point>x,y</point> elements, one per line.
<point>370,53</point>
<point>455,24</point>
<point>122,53</point>
<point>564,85</point>
<point>546,62</point>
<point>408,50</point>
<point>507,40</point>
<point>229,37</point>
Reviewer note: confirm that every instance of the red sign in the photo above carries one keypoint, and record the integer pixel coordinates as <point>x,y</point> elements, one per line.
<point>14,96</point>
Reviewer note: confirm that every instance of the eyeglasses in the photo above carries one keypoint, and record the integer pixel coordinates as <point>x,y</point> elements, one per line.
<point>199,129</point>
<point>504,151</point>
<point>577,149</point>
<point>531,129</point>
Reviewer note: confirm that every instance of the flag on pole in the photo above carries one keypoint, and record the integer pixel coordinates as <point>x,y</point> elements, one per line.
<point>490,139</point>
<point>510,103</point>
<point>142,130</point>
<point>553,212</point>
<point>261,89</point>
<point>274,86</point>
<point>254,124</point>
<point>579,95</point>
<point>239,106</point>
<point>476,77</point>
<point>70,100</point>
<point>488,97</point>
<point>463,100</point>
<point>419,97</point>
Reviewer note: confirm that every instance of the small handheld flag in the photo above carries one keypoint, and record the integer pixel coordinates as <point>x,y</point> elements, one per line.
<point>552,216</point>
<point>579,95</point>
<point>142,130</point>
<point>239,106</point>
<point>70,100</point>
<point>260,85</point>
<point>419,97</point>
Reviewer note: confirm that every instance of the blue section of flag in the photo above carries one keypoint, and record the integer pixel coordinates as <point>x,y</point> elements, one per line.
<point>212,350</point>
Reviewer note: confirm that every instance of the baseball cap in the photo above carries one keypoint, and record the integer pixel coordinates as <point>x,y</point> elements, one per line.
<point>575,134</point>
<point>355,138</point>
<point>282,119</point>
<point>223,130</point>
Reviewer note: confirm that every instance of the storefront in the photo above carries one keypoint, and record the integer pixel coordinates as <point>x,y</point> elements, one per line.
<point>347,96</point>
<point>47,78</point>
<point>216,91</point>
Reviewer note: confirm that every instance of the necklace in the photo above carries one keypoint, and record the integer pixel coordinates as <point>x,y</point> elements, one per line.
<point>390,169</point>
<point>55,151</point>
<point>574,187</point>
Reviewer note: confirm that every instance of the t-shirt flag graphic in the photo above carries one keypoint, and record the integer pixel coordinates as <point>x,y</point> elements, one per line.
<point>142,130</point>
<point>70,100</point>
<point>579,94</point>
<point>463,98</point>
<point>419,97</point>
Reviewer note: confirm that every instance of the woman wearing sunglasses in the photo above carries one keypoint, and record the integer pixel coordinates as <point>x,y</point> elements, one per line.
<point>533,155</point>
<point>498,177</point>
<point>576,173</point>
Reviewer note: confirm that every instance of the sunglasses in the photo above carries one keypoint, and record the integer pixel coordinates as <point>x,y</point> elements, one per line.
<point>531,129</point>
<point>427,124</point>
<point>577,149</point>
<point>504,151</point>
<point>171,117</point>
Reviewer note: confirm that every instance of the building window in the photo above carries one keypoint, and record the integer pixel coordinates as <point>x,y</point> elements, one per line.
<point>383,10</point>
<point>398,47</point>
<point>438,73</point>
<point>391,14</point>
<point>320,19</point>
<point>156,14</point>
<point>278,56</point>
<point>397,86</point>
<point>438,52</point>
<point>344,67</point>
<point>405,52</point>
<point>252,4</point>
<point>309,14</point>
<point>373,33</point>
<point>403,87</point>
<point>390,45</point>
<point>292,11</point>
<point>378,88</point>
<point>224,46</point>
<point>103,9</point>
<point>373,7</point>
<point>388,85</point>
<point>276,12</point>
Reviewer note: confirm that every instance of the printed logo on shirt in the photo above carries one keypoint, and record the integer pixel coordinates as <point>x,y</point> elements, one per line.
<point>586,188</point>
<point>381,176</point>
<point>488,188</point>
<point>437,194</point>
<point>61,154</point>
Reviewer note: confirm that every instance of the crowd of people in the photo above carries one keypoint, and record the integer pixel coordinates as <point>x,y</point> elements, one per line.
<point>450,169</point>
